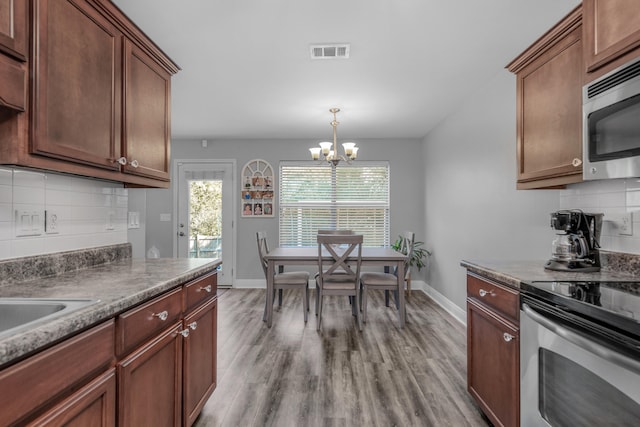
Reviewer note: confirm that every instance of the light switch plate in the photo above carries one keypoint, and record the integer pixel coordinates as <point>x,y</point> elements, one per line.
<point>51,222</point>
<point>29,223</point>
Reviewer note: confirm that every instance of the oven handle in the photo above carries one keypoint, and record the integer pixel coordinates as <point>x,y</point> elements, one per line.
<point>580,341</point>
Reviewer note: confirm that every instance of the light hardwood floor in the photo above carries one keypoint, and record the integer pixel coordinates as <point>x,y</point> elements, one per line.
<point>291,375</point>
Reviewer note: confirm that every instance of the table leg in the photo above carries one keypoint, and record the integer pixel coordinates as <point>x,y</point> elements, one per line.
<point>401,299</point>
<point>270,274</point>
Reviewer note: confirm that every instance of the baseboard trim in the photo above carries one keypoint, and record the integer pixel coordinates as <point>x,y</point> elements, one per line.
<point>447,305</point>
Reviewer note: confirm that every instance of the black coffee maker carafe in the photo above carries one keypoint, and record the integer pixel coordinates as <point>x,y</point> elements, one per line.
<point>575,247</point>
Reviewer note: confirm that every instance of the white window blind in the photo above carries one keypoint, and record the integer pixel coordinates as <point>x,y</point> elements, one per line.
<point>319,196</point>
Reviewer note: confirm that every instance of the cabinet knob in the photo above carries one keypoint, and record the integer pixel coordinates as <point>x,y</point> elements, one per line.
<point>163,315</point>
<point>121,161</point>
<point>484,293</point>
<point>507,336</point>
<point>184,332</point>
<point>193,325</point>
<point>205,288</point>
<point>134,163</point>
<point>576,162</point>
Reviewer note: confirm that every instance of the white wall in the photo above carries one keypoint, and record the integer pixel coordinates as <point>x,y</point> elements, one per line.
<point>407,195</point>
<point>89,212</point>
<point>473,210</point>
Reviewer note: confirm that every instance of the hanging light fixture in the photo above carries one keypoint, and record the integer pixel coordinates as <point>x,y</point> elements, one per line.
<point>329,151</point>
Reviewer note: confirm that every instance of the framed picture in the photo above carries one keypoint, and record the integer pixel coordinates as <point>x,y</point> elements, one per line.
<point>257,191</point>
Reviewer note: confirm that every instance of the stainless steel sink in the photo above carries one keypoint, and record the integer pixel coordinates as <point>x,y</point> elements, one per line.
<point>18,314</point>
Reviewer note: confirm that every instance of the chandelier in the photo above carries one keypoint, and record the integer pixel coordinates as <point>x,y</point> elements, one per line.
<point>329,150</point>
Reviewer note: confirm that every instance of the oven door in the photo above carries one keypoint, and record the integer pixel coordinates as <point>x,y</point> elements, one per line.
<point>567,379</point>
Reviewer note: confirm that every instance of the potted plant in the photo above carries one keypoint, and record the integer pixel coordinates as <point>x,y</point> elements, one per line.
<point>419,255</point>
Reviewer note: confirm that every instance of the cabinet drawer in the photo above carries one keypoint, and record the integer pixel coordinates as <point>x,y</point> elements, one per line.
<point>496,296</point>
<point>41,379</point>
<point>140,323</point>
<point>199,290</point>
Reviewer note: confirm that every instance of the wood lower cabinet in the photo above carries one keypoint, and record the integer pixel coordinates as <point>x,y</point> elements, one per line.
<point>549,79</point>
<point>493,350</point>
<point>48,377</point>
<point>166,376</point>
<point>150,382</point>
<point>611,32</point>
<point>93,405</point>
<point>199,360</point>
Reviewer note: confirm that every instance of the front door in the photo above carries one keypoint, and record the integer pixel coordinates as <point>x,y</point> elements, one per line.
<point>206,212</point>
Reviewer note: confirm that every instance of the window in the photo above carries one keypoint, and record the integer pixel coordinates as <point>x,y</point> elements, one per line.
<point>319,196</point>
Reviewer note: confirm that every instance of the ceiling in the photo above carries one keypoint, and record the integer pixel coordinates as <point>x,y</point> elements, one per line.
<point>247,72</point>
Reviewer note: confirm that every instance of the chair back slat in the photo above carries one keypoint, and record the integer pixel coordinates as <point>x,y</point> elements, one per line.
<point>263,250</point>
<point>340,247</point>
<point>333,231</point>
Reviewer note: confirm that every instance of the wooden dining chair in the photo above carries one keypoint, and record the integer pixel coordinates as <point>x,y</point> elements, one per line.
<point>335,275</point>
<point>281,279</point>
<point>389,281</point>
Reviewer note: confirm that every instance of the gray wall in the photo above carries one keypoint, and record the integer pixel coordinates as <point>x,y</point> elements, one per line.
<point>473,210</point>
<point>407,189</point>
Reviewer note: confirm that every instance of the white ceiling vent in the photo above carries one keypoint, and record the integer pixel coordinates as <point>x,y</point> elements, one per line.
<point>330,51</point>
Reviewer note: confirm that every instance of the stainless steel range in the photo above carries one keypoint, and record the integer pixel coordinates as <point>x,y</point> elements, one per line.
<point>580,353</point>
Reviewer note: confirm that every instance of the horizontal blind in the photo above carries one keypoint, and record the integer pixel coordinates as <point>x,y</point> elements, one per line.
<point>319,196</point>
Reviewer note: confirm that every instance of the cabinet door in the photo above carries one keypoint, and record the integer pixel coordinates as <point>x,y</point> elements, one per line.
<point>93,405</point>
<point>493,374</point>
<point>611,28</point>
<point>146,119</point>
<point>200,349</point>
<point>150,382</point>
<point>13,28</point>
<point>76,85</point>
<point>549,108</point>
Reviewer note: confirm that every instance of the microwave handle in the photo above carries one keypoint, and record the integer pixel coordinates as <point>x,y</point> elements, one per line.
<point>605,353</point>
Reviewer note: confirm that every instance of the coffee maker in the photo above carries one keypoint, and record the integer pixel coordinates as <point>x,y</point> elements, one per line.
<point>575,247</point>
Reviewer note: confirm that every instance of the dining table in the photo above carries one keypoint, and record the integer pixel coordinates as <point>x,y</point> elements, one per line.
<point>308,255</point>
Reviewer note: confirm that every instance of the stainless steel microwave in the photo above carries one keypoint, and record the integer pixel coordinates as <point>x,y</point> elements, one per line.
<point>611,124</point>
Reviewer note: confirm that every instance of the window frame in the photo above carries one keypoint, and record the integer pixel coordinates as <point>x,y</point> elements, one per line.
<point>345,207</point>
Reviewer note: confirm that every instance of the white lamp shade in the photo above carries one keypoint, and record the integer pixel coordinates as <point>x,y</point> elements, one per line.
<point>348,148</point>
<point>315,152</point>
<point>326,147</point>
<point>354,153</point>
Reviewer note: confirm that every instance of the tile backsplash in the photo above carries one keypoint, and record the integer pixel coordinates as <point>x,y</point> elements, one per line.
<point>81,212</point>
<point>613,198</point>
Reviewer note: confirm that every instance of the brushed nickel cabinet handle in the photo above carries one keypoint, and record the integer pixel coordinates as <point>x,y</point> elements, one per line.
<point>205,288</point>
<point>134,163</point>
<point>484,293</point>
<point>184,333</point>
<point>507,337</point>
<point>121,161</point>
<point>193,325</point>
<point>163,315</point>
<point>576,162</point>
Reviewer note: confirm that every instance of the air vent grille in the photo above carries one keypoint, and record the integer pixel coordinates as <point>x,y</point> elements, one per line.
<point>621,76</point>
<point>330,51</point>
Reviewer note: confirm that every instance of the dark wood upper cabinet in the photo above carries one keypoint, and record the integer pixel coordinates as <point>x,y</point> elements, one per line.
<point>95,92</point>
<point>611,33</point>
<point>13,28</point>
<point>146,120</point>
<point>76,90</point>
<point>549,79</point>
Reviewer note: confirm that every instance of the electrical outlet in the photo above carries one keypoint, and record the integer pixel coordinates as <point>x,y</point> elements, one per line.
<point>51,222</point>
<point>134,220</point>
<point>626,224</point>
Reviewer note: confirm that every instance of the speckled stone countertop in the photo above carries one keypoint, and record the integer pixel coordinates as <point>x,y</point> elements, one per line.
<point>616,267</point>
<point>117,286</point>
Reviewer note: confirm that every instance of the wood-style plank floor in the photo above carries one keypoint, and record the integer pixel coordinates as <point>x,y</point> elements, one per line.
<point>292,375</point>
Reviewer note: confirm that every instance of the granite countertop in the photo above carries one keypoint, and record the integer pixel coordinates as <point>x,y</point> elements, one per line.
<point>512,273</point>
<point>117,285</point>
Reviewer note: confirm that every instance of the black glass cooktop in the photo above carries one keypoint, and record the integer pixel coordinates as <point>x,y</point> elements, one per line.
<point>616,304</point>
